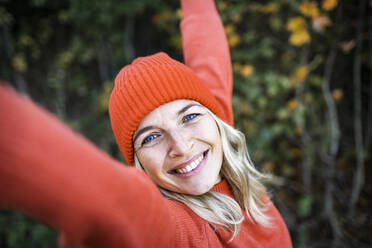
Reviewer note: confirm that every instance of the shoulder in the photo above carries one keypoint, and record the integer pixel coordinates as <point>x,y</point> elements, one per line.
<point>185,216</point>
<point>190,228</point>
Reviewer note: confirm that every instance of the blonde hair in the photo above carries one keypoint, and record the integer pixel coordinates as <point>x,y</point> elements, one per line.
<point>244,179</point>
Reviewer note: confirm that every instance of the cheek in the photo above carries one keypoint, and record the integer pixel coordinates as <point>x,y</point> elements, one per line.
<point>210,131</point>
<point>152,160</point>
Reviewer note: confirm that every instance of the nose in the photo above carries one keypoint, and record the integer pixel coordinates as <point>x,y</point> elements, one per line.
<point>179,144</point>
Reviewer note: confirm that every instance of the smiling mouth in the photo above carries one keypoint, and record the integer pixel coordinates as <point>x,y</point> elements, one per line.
<point>191,167</point>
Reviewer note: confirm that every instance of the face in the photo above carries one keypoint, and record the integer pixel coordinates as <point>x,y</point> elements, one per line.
<point>179,146</point>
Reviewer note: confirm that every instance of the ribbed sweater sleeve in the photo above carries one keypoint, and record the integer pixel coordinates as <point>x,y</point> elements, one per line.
<point>206,50</point>
<point>54,175</point>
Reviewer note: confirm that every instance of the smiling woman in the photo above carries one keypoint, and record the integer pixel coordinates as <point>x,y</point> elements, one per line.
<point>184,153</point>
<point>174,123</point>
<point>180,140</point>
<point>196,130</point>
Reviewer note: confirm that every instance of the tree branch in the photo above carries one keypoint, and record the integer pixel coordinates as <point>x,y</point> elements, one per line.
<point>129,51</point>
<point>333,146</point>
<point>358,130</point>
<point>368,136</point>
<point>305,137</point>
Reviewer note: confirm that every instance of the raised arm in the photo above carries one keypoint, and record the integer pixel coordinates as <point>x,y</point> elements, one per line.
<point>54,175</point>
<point>206,50</point>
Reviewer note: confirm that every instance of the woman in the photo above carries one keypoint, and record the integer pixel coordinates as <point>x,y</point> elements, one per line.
<point>169,120</point>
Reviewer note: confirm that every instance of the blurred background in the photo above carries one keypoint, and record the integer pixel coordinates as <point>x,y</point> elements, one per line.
<point>302,94</point>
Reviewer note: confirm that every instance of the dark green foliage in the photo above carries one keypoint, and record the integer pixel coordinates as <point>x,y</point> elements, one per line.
<point>16,231</point>
<point>65,55</point>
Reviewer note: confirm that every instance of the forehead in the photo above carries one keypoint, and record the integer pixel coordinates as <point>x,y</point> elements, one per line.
<point>165,112</point>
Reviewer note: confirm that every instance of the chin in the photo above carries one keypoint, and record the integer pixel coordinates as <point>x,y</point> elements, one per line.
<point>199,189</point>
<point>197,192</point>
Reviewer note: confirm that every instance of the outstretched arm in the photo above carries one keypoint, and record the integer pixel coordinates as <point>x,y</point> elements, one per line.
<point>54,175</point>
<point>206,50</point>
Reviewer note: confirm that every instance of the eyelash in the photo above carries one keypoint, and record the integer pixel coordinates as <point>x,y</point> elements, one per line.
<point>193,115</point>
<point>149,139</point>
<point>185,119</point>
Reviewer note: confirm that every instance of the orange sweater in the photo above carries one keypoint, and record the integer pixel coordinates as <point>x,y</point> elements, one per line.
<point>56,176</point>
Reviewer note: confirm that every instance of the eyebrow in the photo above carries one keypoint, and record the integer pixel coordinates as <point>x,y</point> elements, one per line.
<point>183,110</point>
<point>141,131</point>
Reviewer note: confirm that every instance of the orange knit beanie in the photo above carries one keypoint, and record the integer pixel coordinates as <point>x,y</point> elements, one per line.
<point>146,84</point>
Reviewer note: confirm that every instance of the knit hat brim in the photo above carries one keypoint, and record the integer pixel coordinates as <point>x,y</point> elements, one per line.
<point>146,84</point>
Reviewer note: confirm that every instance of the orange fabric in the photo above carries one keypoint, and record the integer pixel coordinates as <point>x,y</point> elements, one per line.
<point>146,84</point>
<point>56,176</point>
<point>206,50</point>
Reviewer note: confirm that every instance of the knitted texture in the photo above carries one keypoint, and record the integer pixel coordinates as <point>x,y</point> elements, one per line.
<point>146,84</point>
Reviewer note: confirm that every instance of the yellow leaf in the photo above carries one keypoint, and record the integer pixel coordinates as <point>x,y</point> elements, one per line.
<point>299,37</point>
<point>309,8</point>
<point>301,72</point>
<point>299,75</point>
<point>266,9</point>
<point>65,59</point>
<point>246,70</point>
<point>321,22</point>
<point>161,17</point>
<point>179,13</point>
<point>232,37</point>
<point>268,166</point>
<point>270,8</point>
<point>176,41</point>
<point>156,18</point>
<point>329,4</point>
<point>296,152</point>
<point>229,29</point>
<point>299,34</point>
<point>221,5</point>
<point>236,17</point>
<point>19,63</point>
<point>283,114</point>
<point>287,171</point>
<point>103,99</point>
<point>296,23</point>
<point>337,95</point>
<point>292,104</point>
<point>246,108</point>
<point>233,40</point>
<point>298,130</point>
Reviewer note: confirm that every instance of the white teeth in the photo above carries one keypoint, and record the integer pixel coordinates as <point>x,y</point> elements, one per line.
<point>191,166</point>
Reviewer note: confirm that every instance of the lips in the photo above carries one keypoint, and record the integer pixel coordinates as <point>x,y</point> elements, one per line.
<point>192,165</point>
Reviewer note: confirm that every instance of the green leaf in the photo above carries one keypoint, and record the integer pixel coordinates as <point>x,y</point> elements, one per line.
<point>304,205</point>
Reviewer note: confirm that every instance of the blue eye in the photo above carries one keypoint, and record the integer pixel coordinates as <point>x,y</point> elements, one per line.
<point>189,117</point>
<point>149,138</point>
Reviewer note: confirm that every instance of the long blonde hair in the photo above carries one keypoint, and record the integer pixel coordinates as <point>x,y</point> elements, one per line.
<point>244,179</point>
